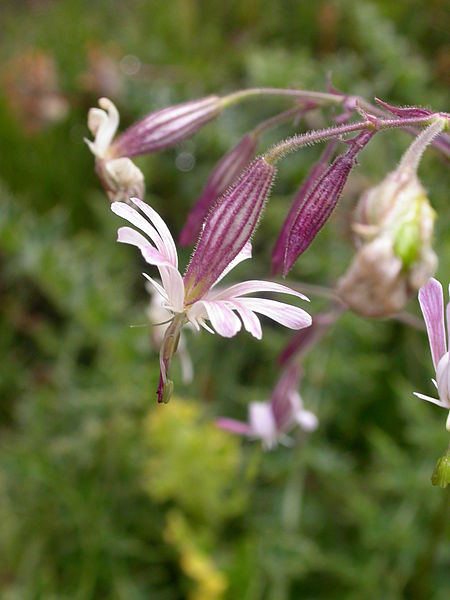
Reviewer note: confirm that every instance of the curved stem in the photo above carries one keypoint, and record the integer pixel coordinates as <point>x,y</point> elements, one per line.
<point>320,97</point>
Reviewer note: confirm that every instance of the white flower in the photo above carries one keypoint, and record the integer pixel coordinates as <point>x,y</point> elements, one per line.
<point>270,421</point>
<point>226,309</point>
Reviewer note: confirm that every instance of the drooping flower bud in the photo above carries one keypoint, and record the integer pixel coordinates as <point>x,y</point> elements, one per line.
<point>223,175</point>
<point>120,177</point>
<point>166,127</point>
<point>394,223</point>
<point>321,200</point>
<point>316,172</point>
<point>228,228</point>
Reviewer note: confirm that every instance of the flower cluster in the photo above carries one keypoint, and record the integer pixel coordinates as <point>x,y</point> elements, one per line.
<point>192,298</point>
<point>393,225</point>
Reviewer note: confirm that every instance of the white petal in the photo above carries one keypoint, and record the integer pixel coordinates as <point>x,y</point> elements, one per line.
<point>158,287</point>
<point>222,318</point>
<point>307,420</point>
<point>249,319</point>
<point>174,287</point>
<point>105,127</point>
<point>162,229</point>
<point>127,235</point>
<point>285,314</point>
<point>429,399</point>
<point>132,216</point>
<point>262,422</point>
<point>244,254</point>
<point>443,378</point>
<point>253,286</point>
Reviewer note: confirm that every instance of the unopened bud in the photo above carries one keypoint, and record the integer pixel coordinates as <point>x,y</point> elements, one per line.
<point>441,473</point>
<point>228,228</point>
<point>222,177</point>
<point>316,172</point>
<point>120,177</point>
<point>320,201</point>
<point>166,127</point>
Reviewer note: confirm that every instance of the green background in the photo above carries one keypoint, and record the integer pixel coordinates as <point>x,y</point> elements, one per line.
<point>103,494</point>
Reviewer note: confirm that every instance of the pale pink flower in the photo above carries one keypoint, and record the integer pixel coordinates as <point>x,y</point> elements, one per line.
<point>431,299</point>
<point>192,298</point>
<point>270,421</point>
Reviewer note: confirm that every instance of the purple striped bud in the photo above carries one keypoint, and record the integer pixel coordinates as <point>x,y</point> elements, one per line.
<point>166,127</point>
<point>321,200</point>
<point>317,171</point>
<point>228,228</point>
<point>222,177</point>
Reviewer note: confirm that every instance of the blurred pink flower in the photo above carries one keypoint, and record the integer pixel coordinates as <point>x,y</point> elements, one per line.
<point>270,421</point>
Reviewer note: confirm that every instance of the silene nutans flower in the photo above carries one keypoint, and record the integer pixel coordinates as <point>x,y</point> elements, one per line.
<point>394,225</point>
<point>271,421</point>
<point>157,131</point>
<point>223,243</point>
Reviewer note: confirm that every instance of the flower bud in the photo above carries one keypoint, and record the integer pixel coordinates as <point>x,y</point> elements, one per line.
<point>228,228</point>
<point>223,175</point>
<point>166,127</point>
<point>394,223</point>
<point>120,177</point>
<point>316,172</point>
<point>320,201</point>
<point>441,473</point>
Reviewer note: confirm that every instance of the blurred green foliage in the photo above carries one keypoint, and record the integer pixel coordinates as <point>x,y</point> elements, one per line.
<point>102,493</point>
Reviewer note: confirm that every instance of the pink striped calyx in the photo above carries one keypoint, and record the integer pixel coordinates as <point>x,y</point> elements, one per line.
<point>317,171</point>
<point>223,176</point>
<point>166,127</point>
<point>228,228</point>
<point>321,200</point>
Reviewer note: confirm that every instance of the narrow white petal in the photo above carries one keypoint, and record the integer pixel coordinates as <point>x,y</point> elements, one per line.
<point>162,229</point>
<point>244,254</point>
<point>251,322</point>
<point>158,287</point>
<point>262,421</point>
<point>222,318</point>
<point>127,235</point>
<point>429,399</point>
<point>254,286</point>
<point>121,209</point>
<point>285,314</point>
<point>174,287</point>
<point>307,420</point>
